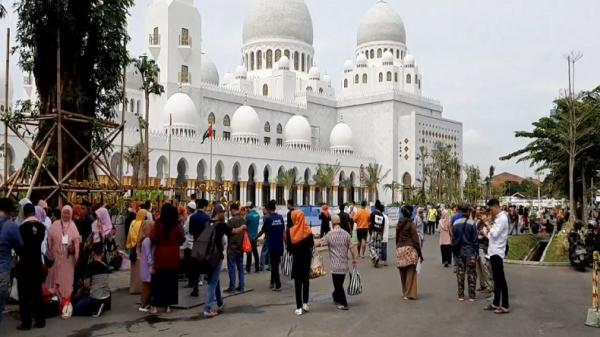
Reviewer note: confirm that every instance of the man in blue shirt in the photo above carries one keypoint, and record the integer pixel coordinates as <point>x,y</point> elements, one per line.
<point>274,228</point>
<point>252,221</point>
<point>198,221</point>
<point>10,239</point>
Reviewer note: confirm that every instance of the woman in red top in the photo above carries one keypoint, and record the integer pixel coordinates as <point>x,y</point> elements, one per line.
<point>167,236</point>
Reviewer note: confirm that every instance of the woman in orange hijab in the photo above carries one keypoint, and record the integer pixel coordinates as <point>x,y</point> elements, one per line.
<point>300,243</point>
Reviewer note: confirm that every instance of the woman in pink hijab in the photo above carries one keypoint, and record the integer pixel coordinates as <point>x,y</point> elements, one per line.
<point>63,243</point>
<point>103,226</point>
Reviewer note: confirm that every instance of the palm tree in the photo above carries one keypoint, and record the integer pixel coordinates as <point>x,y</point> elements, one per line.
<point>133,156</point>
<point>148,70</point>
<point>325,176</point>
<point>488,180</point>
<point>393,186</point>
<point>422,156</point>
<point>374,176</point>
<point>288,178</point>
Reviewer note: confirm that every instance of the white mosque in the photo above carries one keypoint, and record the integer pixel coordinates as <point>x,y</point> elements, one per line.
<point>278,111</point>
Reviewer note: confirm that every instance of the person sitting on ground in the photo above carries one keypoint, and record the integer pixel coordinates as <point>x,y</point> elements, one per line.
<point>96,285</point>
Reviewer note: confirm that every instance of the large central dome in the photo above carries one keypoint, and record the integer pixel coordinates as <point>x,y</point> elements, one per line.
<point>381,23</point>
<point>283,19</point>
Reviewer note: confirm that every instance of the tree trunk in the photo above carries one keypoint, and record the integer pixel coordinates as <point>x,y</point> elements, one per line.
<point>573,211</point>
<point>584,214</point>
<point>147,144</point>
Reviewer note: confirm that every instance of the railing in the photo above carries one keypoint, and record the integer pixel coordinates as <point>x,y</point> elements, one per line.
<point>154,39</point>
<point>185,40</point>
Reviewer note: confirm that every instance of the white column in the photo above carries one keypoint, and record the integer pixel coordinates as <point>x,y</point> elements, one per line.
<point>258,194</point>
<point>312,195</point>
<point>356,196</point>
<point>273,195</point>
<point>286,193</point>
<point>345,197</point>
<point>324,195</point>
<point>367,194</point>
<point>243,192</point>
<point>299,195</point>
<point>335,195</point>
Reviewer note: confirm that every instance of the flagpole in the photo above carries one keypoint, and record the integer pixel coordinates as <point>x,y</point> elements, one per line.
<point>170,135</point>
<point>210,135</point>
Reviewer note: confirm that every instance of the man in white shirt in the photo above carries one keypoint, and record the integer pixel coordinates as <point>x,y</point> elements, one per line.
<point>497,249</point>
<point>385,239</point>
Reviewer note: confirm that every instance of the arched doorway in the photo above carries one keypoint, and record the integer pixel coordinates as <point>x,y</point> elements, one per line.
<point>351,189</point>
<point>306,188</point>
<point>266,187</point>
<point>251,189</point>
<point>181,182</point>
<point>341,187</point>
<point>279,190</point>
<point>161,168</point>
<point>235,174</point>
<point>115,165</point>
<point>406,187</point>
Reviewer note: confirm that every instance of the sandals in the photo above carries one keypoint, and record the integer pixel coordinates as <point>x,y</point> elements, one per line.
<point>501,310</point>
<point>491,307</point>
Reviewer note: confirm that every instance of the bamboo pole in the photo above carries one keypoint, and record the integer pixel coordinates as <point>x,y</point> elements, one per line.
<point>59,105</point>
<point>33,151</point>
<point>6,105</point>
<point>38,168</point>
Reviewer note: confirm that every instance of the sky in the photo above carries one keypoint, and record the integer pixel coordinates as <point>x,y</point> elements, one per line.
<point>496,66</point>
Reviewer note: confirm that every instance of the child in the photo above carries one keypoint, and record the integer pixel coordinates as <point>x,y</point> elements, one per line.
<point>146,254</point>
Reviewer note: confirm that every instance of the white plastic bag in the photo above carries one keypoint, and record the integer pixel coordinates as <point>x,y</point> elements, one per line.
<point>355,284</point>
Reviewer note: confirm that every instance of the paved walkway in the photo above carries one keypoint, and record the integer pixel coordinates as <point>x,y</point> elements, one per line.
<point>546,302</point>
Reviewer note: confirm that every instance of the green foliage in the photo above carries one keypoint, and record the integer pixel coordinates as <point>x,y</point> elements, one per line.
<point>288,178</point>
<point>472,189</point>
<point>444,175</point>
<point>325,175</point>
<point>521,245</point>
<point>394,186</point>
<point>374,176</point>
<point>558,251</point>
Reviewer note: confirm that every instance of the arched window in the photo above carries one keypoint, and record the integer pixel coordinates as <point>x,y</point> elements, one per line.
<point>380,77</point>
<point>392,51</point>
<point>345,83</point>
<point>379,53</point>
<point>395,77</point>
<point>138,104</point>
<point>308,89</point>
<point>277,55</point>
<point>265,90</point>
<point>416,78</point>
<point>267,127</point>
<point>259,60</point>
<point>397,53</point>
<point>388,76</point>
<point>364,78</point>
<point>320,90</point>
<point>308,63</point>
<point>302,58</point>
<point>419,84</point>
<point>226,121</point>
<point>279,129</point>
<point>356,78</point>
<point>269,59</point>
<point>296,60</point>
<point>252,61</point>
<point>246,62</point>
<point>286,53</point>
<point>211,118</point>
<point>408,79</point>
<point>131,103</point>
<point>372,54</point>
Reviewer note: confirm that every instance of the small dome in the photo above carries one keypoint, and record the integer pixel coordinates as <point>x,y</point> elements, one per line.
<point>245,125</point>
<point>361,61</point>
<point>208,71</point>
<point>340,138</point>
<point>278,19</point>
<point>348,65</point>
<point>314,73</point>
<point>381,23</point>
<point>409,60</point>
<point>297,132</point>
<point>182,110</point>
<point>240,72</point>
<point>284,63</point>
<point>388,58</point>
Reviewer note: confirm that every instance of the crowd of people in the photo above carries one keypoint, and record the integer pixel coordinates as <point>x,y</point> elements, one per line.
<point>65,256</point>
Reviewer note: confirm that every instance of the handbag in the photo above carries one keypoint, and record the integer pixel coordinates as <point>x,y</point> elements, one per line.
<point>406,256</point>
<point>316,266</point>
<point>246,244</point>
<point>355,284</point>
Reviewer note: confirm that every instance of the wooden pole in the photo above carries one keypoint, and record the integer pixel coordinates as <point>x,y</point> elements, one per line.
<point>59,152</point>
<point>6,106</point>
<point>123,124</point>
<point>38,168</point>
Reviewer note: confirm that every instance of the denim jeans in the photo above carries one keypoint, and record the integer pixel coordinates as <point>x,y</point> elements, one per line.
<point>214,289</point>
<point>4,292</point>
<point>235,265</point>
<point>383,252</point>
<point>264,255</point>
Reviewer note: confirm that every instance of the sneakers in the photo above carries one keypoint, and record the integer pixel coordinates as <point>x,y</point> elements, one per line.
<point>210,314</point>
<point>239,290</point>
<point>342,307</point>
<point>298,312</point>
<point>305,307</point>
<point>144,309</point>
<point>229,291</point>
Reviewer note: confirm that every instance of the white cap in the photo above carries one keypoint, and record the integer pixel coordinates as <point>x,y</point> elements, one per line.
<point>191,205</point>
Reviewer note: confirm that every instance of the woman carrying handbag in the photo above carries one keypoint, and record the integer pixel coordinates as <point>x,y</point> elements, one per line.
<point>408,253</point>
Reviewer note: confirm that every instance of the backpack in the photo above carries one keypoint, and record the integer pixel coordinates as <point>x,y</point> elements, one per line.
<point>205,251</point>
<point>378,222</point>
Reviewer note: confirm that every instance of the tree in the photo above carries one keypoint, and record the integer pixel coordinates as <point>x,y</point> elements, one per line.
<point>374,176</point>
<point>288,178</point>
<point>148,70</point>
<point>566,141</point>
<point>134,157</point>
<point>393,187</point>
<point>2,11</point>
<point>325,176</point>
<point>472,183</point>
<point>488,180</point>
<point>93,35</point>
<point>422,156</point>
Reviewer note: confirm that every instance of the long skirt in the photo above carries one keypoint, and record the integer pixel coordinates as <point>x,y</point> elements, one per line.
<point>408,276</point>
<point>165,289</point>
<point>135,283</point>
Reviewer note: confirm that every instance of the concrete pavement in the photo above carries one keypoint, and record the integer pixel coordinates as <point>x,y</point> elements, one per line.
<point>545,301</point>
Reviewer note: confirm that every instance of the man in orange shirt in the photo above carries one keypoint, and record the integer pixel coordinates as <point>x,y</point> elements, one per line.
<point>361,218</point>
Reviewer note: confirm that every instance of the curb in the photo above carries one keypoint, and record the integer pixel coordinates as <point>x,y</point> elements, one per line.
<point>536,263</point>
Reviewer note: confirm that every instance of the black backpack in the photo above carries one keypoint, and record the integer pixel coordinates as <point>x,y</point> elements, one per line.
<point>205,250</point>
<point>378,222</point>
